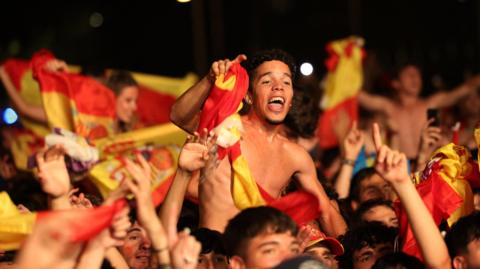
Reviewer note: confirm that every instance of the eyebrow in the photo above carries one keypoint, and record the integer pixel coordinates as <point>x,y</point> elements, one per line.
<point>269,73</point>
<point>268,243</point>
<point>134,230</point>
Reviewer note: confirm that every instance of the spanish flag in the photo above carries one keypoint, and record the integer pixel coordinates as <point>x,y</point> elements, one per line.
<point>445,189</point>
<point>220,113</point>
<point>16,226</point>
<point>74,102</point>
<point>343,81</point>
<point>28,139</point>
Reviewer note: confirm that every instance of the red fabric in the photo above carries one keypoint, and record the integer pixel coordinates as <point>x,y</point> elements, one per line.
<point>87,223</point>
<point>90,96</point>
<point>325,128</point>
<point>441,200</point>
<point>16,69</point>
<point>153,107</point>
<point>301,206</point>
<point>159,193</point>
<point>332,61</point>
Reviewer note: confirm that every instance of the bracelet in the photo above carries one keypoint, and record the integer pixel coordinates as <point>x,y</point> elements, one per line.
<point>348,162</point>
<point>164,266</point>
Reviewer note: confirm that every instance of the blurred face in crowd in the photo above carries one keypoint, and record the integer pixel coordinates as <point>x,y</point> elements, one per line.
<point>383,214</point>
<point>375,187</point>
<point>409,81</point>
<point>272,91</point>
<point>324,254</point>
<point>126,103</point>
<point>212,260</point>
<point>470,260</point>
<point>267,250</point>
<point>136,249</point>
<point>366,257</point>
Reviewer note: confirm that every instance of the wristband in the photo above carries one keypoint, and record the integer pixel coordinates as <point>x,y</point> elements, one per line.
<point>348,162</point>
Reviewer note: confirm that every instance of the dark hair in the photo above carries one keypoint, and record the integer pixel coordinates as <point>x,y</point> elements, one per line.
<point>464,231</point>
<point>212,241</point>
<point>368,234</point>
<point>120,79</point>
<point>399,67</point>
<point>398,260</point>
<point>361,175</point>
<point>302,117</point>
<point>367,205</point>
<point>252,222</point>
<point>260,57</point>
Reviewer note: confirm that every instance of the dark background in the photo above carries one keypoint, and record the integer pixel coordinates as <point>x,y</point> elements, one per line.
<point>170,38</point>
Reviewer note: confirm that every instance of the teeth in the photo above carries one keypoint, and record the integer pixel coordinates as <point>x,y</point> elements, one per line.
<point>276,100</point>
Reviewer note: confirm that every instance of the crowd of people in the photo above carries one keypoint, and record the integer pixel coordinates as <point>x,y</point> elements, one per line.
<point>395,192</point>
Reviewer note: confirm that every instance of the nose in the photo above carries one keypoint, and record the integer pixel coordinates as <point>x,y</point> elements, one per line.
<point>278,85</point>
<point>146,243</point>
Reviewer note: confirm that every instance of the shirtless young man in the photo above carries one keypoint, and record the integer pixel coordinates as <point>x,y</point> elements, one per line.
<point>407,113</point>
<point>273,159</point>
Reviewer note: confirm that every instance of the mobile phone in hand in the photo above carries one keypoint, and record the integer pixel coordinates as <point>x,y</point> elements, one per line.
<point>432,113</point>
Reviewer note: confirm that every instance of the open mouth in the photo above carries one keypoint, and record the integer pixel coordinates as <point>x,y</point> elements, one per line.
<point>276,103</point>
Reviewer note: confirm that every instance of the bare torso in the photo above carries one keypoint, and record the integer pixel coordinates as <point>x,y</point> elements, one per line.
<point>271,163</point>
<point>408,122</point>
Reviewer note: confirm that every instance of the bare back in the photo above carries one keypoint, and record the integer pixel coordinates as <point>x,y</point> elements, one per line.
<point>271,163</point>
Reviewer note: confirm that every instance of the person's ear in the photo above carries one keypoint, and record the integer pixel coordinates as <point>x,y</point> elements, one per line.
<point>248,98</point>
<point>236,262</point>
<point>459,262</point>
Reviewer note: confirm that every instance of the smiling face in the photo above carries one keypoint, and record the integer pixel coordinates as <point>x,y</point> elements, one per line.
<point>272,91</point>
<point>136,249</point>
<point>126,104</point>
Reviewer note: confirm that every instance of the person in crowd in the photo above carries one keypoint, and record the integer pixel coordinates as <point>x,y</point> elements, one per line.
<point>377,211</point>
<point>463,241</point>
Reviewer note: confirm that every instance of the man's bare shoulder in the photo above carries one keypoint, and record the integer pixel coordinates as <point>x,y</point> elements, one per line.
<point>294,150</point>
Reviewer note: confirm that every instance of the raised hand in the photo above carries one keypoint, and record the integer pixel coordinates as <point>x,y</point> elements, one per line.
<point>79,201</point>
<point>185,251</point>
<point>195,152</point>
<point>140,186</point>
<point>353,142</point>
<point>390,164</point>
<point>221,67</point>
<point>52,171</point>
<point>116,233</point>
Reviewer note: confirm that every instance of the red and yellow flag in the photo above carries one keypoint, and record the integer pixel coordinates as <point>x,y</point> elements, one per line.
<point>16,226</point>
<point>343,81</point>
<point>444,187</point>
<point>219,113</point>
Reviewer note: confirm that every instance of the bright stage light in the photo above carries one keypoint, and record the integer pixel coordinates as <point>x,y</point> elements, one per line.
<point>9,116</point>
<point>306,69</point>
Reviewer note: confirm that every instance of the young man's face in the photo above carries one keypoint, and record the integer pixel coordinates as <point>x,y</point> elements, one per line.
<point>383,214</point>
<point>212,260</point>
<point>272,91</point>
<point>409,80</point>
<point>366,257</point>
<point>267,250</point>
<point>136,249</point>
<point>126,103</point>
<point>375,187</point>
<point>323,253</point>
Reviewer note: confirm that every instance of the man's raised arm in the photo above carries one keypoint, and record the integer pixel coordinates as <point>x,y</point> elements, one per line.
<point>450,98</point>
<point>185,110</point>
<point>374,102</point>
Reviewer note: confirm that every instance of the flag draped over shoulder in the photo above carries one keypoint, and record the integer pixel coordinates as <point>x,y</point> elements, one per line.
<point>343,81</point>
<point>28,139</point>
<point>219,113</point>
<point>16,226</point>
<point>444,188</point>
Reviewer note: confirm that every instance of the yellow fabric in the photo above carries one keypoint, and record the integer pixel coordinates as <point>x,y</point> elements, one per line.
<point>59,112</point>
<point>14,226</point>
<point>108,173</point>
<point>167,85</point>
<point>244,188</point>
<point>455,167</point>
<point>347,78</point>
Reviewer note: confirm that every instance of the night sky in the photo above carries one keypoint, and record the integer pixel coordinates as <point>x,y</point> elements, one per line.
<point>158,36</point>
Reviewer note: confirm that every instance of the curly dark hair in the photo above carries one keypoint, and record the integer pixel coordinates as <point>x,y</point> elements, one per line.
<point>303,116</point>
<point>464,231</point>
<point>260,57</point>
